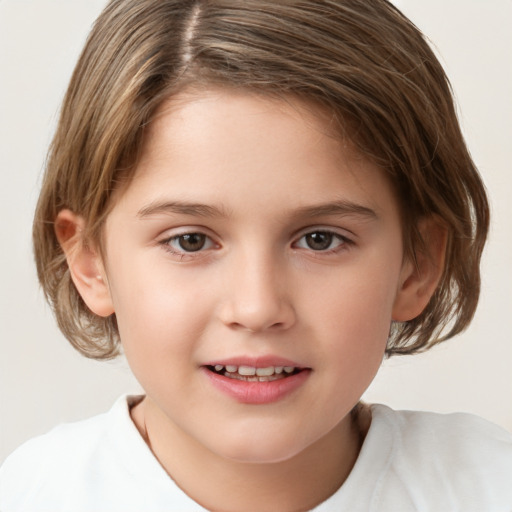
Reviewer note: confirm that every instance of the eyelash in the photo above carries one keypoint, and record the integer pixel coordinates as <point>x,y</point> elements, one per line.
<point>167,245</point>
<point>343,244</point>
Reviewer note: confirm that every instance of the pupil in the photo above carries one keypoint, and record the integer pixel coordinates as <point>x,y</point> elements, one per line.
<point>319,241</point>
<point>192,242</point>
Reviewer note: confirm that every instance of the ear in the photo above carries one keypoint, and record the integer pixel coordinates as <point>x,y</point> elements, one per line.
<point>419,279</point>
<point>84,262</point>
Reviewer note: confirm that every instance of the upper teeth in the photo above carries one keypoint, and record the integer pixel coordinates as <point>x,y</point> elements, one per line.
<point>252,370</point>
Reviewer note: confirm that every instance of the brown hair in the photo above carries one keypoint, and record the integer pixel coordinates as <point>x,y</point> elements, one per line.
<point>361,59</point>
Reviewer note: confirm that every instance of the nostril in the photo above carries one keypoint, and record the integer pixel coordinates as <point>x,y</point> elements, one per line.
<point>256,312</point>
<point>257,328</point>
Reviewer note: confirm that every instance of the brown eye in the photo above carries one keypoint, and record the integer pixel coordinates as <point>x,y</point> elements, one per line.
<point>191,242</point>
<point>319,240</point>
<point>322,241</point>
<point>188,244</point>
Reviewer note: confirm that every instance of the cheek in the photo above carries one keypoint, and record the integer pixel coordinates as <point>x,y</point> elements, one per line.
<point>358,300</point>
<point>153,306</point>
<point>354,313</point>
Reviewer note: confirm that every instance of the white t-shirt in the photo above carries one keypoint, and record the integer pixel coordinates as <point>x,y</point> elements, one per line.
<point>410,461</point>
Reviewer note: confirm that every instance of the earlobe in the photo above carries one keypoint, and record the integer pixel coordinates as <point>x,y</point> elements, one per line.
<point>84,262</point>
<point>419,279</point>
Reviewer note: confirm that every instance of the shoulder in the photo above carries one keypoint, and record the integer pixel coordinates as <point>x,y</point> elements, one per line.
<point>97,464</point>
<point>53,471</point>
<point>50,460</point>
<point>457,437</point>
<point>457,459</point>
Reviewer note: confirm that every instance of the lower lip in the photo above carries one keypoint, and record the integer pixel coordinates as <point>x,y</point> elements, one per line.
<point>257,392</point>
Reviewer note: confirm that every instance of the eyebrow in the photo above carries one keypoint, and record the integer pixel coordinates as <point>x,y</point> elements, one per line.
<point>336,208</point>
<point>181,208</point>
<point>339,208</point>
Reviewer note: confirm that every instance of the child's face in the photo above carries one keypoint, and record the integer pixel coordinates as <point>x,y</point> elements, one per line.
<point>249,237</point>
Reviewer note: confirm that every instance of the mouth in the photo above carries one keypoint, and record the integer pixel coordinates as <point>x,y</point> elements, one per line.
<point>262,381</point>
<point>254,374</point>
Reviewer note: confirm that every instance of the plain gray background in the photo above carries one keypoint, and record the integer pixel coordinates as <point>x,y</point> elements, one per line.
<point>44,382</point>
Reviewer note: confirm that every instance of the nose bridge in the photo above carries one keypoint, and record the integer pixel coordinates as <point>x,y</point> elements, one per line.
<point>257,295</point>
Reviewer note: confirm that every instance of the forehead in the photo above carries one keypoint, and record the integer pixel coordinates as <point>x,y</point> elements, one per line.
<point>223,116</point>
<point>227,146</point>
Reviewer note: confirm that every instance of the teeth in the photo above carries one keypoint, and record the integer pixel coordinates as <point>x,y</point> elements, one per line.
<point>246,370</point>
<point>265,372</point>
<point>252,373</point>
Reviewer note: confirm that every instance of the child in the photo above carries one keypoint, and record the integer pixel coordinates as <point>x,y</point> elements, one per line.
<point>257,201</point>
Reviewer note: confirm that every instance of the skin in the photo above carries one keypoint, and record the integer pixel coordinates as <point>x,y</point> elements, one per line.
<point>263,171</point>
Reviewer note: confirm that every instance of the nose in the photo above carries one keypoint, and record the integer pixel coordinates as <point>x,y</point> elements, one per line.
<point>257,296</point>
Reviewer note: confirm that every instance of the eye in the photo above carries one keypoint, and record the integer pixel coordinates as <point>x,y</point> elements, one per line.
<point>321,241</point>
<point>188,242</point>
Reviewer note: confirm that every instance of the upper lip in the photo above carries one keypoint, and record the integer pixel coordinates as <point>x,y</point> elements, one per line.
<point>255,361</point>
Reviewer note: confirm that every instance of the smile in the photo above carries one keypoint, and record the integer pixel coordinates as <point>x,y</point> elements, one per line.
<point>257,385</point>
<point>253,374</point>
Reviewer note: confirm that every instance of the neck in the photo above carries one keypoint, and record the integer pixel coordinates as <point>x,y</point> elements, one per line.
<point>223,485</point>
